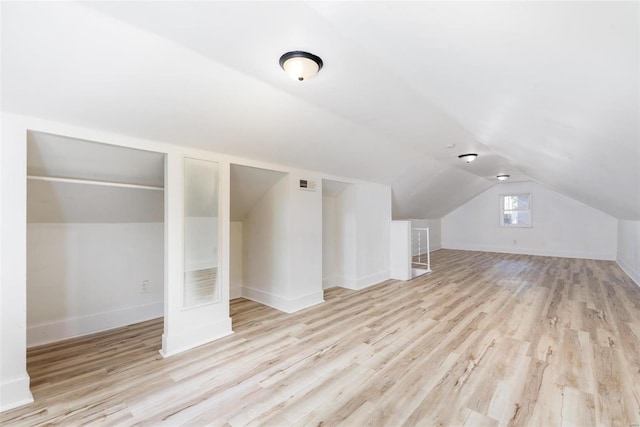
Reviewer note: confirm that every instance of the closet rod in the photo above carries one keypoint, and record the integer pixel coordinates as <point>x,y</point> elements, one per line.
<point>91,182</point>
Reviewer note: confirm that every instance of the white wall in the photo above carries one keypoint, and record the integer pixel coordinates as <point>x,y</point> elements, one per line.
<point>83,278</point>
<point>400,246</point>
<point>306,243</point>
<point>356,229</point>
<point>346,274</point>
<point>628,256</point>
<point>339,239</point>
<point>329,246</point>
<point>14,379</point>
<point>561,226</point>
<point>235,260</point>
<point>266,247</point>
<point>373,216</point>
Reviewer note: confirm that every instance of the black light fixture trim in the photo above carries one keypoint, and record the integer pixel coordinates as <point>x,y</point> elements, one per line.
<point>469,157</point>
<point>503,177</point>
<point>301,54</point>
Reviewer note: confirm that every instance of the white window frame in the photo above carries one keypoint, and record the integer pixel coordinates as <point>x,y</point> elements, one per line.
<point>502,210</point>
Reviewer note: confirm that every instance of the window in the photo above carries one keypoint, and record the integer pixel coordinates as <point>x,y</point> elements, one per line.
<point>515,210</point>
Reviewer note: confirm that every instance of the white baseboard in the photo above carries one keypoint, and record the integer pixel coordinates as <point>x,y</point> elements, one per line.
<point>527,251</point>
<point>267,298</point>
<point>305,301</point>
<point>630,271</point>
<point>347,283</point>
<point>373,279</point>
<point>176,343</point>
<point>14,393</point>
<point>288,305</point>
<point>360,283</point>
<point>59,330</point>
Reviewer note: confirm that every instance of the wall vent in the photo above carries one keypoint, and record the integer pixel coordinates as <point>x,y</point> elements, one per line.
<point>307,184</point>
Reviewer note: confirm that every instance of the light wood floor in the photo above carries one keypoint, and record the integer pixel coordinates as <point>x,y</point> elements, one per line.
<point>486,339</point>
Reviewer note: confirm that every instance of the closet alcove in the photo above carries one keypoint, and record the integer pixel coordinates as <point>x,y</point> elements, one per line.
<point>259,235</point>
<point>95,237</point>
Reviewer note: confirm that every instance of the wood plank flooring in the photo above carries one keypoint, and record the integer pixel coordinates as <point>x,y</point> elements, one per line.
<point>484,340</point>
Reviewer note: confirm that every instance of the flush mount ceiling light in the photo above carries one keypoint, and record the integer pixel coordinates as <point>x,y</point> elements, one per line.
<point>503,177</point>
<point>468,158</point>
<point>300,65</point>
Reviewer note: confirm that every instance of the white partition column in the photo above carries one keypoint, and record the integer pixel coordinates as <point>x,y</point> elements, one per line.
<point>196,311</point>
<point>14,380</point>
<point>400,254</point>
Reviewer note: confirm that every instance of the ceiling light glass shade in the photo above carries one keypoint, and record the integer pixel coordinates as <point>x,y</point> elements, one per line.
<point>468,157</point>
<point>300,65</point>
<point>503,177</point>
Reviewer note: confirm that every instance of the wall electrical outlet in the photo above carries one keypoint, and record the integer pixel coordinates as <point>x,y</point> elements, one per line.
<point>144,288</point>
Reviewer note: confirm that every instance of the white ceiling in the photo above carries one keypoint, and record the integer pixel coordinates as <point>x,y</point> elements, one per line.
<point>544,91</point>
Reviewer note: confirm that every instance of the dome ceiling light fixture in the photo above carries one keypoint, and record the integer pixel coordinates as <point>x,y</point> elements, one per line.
<point>468,158</point>
<point>301,65</point>
<point>503,177</point>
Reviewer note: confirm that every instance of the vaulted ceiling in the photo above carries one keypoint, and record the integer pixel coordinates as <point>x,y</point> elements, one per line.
<point>543,91</point>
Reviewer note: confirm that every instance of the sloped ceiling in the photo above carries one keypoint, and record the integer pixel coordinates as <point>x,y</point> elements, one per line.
<point>248,186</point>
<point>544,91</point>
<point>331,188</point>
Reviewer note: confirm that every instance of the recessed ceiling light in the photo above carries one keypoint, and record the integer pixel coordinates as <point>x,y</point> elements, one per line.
<point>300,65</point>
<point>468,157</point>
<point>503,177</point>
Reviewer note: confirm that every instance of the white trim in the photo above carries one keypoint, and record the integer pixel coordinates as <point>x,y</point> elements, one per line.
<point>633,274</point>
<point>93,182</point>
<point>305,301</point>
<point>374,279</point>
<point>14,393</point>
<point>281,303</point>
<point>59,330</point>
<point>266,298</point>
<point>526,251</point>
<point>348,283</point>
<point>175,344</point>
